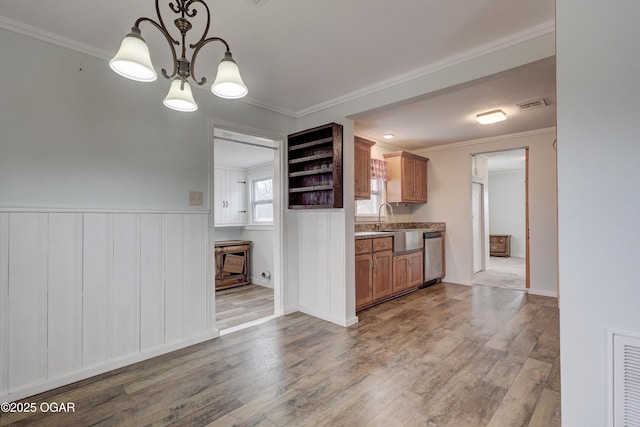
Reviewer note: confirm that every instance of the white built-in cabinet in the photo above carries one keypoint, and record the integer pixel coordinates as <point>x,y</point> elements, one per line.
<point>229,197</point>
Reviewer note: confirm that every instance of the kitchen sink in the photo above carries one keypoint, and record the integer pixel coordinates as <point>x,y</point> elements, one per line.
<point>407,239</point>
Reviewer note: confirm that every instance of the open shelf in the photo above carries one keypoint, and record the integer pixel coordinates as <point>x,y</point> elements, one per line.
<point>315,168</point>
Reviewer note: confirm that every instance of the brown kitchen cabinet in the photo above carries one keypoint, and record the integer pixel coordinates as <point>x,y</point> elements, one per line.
<point>373,270</point>
<point>362,167</point>
<point>406,177</point>
<point>407,271</point>
<point>500,245</point>
<point>232,263</point>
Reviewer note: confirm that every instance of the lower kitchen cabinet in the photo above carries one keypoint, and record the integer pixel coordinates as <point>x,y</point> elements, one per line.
<point>380,275</point>
<point>382,267</point>
<point>407,271</point>
<point>373,270</point>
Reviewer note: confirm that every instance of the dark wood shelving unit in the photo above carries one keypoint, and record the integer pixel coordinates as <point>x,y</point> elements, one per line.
<point>315,168</point>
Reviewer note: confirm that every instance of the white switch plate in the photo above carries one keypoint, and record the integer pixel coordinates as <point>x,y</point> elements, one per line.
<point>195,198</point>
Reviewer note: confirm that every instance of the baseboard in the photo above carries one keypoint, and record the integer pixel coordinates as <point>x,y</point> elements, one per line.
<point>543,293</point>
<point>262,282</point>
<point>340,322</point>
<point>92,371</point>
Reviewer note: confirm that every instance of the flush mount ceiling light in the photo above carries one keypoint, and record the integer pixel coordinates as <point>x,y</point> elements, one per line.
<point>388,136</point>
<point>491,117</point>
<point>133,60</point>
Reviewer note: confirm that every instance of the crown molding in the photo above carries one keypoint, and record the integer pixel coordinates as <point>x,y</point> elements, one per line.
<point>383,144</point>
<point>40,34</point>
<point>497,45</point>
<point>45,36</point>
<point>489,48</point>
<point>534,132</point>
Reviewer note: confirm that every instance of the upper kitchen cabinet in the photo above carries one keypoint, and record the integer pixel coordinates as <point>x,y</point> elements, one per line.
<point>315,168</point>
<point>362,167</point>
<point>406,177</point>
<point>229,197</point>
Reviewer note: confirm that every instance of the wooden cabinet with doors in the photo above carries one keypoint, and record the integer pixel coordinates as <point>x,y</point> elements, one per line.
<point>229,197</point>
<point>373,270</point>
<point>362,167</point>
<point>407,271</point>
<point>406,177</point>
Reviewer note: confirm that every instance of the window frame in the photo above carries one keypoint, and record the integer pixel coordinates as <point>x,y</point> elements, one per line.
<point>381,198</point>
<point>253,203</point>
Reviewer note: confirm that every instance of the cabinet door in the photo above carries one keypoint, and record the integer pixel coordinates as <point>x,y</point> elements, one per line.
<point>362,171</point>
<point>220,211</point>
<point>408,179</point>
<point>237,197</point>
<point>382,274</point>
<point>400,273</point>
<point>364,291</point>
<point>420,181</point>
<point>416,271</point>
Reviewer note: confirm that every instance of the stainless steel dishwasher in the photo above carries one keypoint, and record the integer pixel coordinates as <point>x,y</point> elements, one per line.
<point>433,267</point>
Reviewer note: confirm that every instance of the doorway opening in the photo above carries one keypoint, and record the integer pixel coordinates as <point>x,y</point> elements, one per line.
<point>500,219</point>
<point>245,229</point>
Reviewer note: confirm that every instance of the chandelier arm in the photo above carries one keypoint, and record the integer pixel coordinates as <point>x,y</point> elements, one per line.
<point>199,46</point>
<point>170,40</point>
<point>191,14</point>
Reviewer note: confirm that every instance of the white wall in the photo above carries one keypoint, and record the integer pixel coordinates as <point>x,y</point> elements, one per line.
<point>507,208</point>
<point>94,181</point>
<point>599,198</point>
<point>449,181</point>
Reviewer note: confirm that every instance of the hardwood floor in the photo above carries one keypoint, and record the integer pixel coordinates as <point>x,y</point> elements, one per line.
<point>243,304</point>
<point>447,355</point>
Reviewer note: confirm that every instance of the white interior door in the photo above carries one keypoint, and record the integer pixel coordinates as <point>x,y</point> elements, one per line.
<point>477,213</point>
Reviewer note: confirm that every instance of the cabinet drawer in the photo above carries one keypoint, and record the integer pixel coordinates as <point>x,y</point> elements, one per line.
<point>382,244</point>
<point>497,247</point>
<point>363,246</point>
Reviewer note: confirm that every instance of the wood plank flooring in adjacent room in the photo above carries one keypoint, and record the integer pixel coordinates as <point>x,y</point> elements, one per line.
<point>447,355</point>
<point>243,304</point>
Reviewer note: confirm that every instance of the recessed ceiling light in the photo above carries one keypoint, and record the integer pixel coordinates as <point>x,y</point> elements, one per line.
<point>388,136</point>
<point>491,117</point>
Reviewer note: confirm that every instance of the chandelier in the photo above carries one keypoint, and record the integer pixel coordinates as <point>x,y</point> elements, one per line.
<point>133,60</point>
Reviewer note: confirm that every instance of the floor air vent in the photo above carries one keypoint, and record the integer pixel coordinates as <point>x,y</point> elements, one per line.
<point>531,105</point>
<point>626,381</point>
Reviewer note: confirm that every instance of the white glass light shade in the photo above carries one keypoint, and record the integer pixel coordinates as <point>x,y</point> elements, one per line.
<point>133,60</point>
<point>228,83</point>
<point>180,97</point>
<point>491,117</point>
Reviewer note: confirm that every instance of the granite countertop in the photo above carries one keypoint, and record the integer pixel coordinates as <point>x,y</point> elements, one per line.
<point>369,230</point>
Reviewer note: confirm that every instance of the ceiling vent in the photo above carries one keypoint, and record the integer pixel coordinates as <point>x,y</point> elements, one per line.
<point>531,105</point>
<point>257,3</point>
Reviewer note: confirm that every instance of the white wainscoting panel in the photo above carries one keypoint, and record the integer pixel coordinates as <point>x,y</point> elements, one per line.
<point>64,305</point>
<point>4,301</point>
<point>174,278</point>
<point>321,253</point>
<point>195,262</point>
<point>151,282</point>
<point>96,300</point>
<point>81,291</point>
<point>27,298</point>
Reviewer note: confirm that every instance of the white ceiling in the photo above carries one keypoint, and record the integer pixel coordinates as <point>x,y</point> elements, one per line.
<point>297,56</point>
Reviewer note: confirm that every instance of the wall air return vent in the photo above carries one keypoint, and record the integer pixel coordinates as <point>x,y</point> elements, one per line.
<point>626,381</point>
<point>531,105</point>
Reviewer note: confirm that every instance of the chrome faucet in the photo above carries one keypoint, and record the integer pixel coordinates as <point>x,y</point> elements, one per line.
<point>380,211</point>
